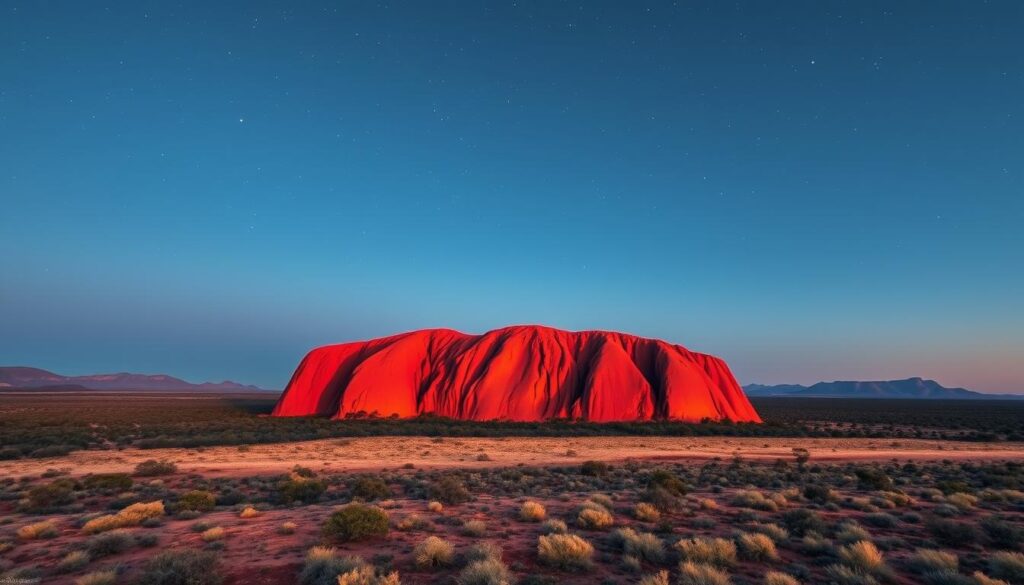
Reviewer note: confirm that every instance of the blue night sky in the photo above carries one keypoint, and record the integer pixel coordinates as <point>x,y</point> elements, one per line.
<point>811,190</point>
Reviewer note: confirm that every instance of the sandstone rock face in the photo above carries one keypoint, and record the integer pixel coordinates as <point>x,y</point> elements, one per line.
<point>523,373</point>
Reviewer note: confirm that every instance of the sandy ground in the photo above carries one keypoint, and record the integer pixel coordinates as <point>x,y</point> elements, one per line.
<point>339,455</point>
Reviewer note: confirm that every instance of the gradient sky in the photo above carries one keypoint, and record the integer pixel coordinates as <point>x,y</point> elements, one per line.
<point>811,190</point>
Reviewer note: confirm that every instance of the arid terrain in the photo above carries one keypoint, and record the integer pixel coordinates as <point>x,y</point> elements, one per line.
<point>708,509</point>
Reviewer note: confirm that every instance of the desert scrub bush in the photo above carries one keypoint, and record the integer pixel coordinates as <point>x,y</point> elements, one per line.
<point>248,512</point>
<point>642,545</point>
<point>532,511</point>
<point>369,488</point>
<point>213,534</point>
<point>182,567</point>
<point>565,551</point>
<point>300,487</point>
<point>42,498</point>
<point>646,512</point>
<point>107,577</point>
<point>37,530</point>
<point>108,481</point>
<point>412,522</point>
<point>435,507</point>
<point>153,468</point>
<point>1007,565</point>
<point>980,578</point>
<point>953,533</point>
<point>73,561</point>
<point>287,528</point>
<point>863,557</point>
<point>850,532</point>
<point>816,492</point>
<point>873,478</point>
<point>356,522</point>
<point>772,531</point>
<point>815,544</point>
<point>962,501</point>
<point>659,578</point>
<point>476,528</point>
<point>368,575</point>
<point>664,490</point>
<point>110,543</point>
<point>713,551</point>
<point>753,499</point>
<point>449,490</point>
<point>554,526</point>
<point>433,552</point>
<point>1002,534</point>
<point>322,566</point>
<point>594,516</point>
<point>778,578</point>
<point>197,501</point>
<point>483,550</point>
<point>489,571</point>
<point>757,547</point>
<point>691,573</point>
<point>594,468</point>
<point>801,521</point>
<point>133,515</point>
<point>930,560</point>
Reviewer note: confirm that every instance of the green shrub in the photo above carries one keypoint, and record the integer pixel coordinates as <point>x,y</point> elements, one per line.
<point>873,478</point>
<point>197,501</point>
<point>594,468</point>
<point>108,481</point>
<point>642,545</point>
<point>182,567</point>
<point>356,522</point>
<point>110,543</point>
<point>42,498</point>
<point>449,490</point>
<point>301,488</point>
<point>801,521</point>
<point>370,488</point>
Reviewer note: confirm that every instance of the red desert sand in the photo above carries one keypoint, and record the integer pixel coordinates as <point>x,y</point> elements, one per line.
<point>524,373</point>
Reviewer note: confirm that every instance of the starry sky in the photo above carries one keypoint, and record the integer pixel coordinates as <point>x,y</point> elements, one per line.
<point>811,190</point>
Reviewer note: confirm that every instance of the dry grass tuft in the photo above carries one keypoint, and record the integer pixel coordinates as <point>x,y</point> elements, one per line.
<point>713,551</point>
<point>98,578</point>
<point>213,534</point>
<point>532,512</point>
<point>249,512</point>
<point>37,530</point>
<point>565,551</point>
<point>757,547</point>
<point>133,515</point>
<point>691,573</point>
<point>646,512</point>
<point>433,552</point>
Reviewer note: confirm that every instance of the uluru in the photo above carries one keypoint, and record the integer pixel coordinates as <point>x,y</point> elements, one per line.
<point>520,373</point>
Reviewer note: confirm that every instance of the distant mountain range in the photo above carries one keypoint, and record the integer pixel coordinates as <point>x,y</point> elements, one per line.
<point>910,388</point>
<point>37,379</point>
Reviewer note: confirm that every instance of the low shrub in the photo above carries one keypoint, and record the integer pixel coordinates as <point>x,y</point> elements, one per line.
<point>928,560</point>
<point>757,547</point>
<point>153,468</point>
<point>287,528</point>
<point>110,543</point>
<point>413,522</point>
<point>108,481</point>
<point>475,528</point>
<point>646,512</point>
<point>182,567</point>
<point>659,578</point>
<point>777,578</point>
<point>37,530</point>
<point>844,575</point>
<point>594,516</point>
<point>691,573</point>
<point>864,557</point>
<point>532,511</point>
<point>449,490</point>
<point>197,501</point>
<point>801,521</point>
<point>356,522</point>
<point>435,507</point>
<point>370,488</point>
<point>488,571</point>
<point>73,561</point>
<point>433,552</point>
<point>483,550</point>
<point>133,515</point>
<point>642,545</point>
<point>322,566</point>
<point>107,577</point>
<point>299,487</point>
<point>704,550</point>
<point>554,526</point>
<point>213,534</point>
<point>1007,565</point>
<point>248,512</point>
<point>565,551</point>
<point>368,575</point>
<point>43,498</point>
